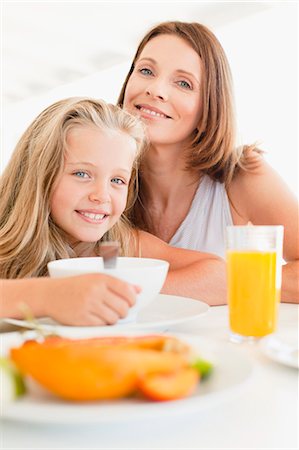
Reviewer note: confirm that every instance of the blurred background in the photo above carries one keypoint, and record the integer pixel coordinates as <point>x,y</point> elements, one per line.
<point>53,50</point>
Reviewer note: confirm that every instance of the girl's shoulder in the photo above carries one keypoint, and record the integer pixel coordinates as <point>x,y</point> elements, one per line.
<point>148,245</point>
<point>145,245</point>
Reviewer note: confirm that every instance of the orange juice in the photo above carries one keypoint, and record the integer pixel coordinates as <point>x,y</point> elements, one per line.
<point>253,295</point>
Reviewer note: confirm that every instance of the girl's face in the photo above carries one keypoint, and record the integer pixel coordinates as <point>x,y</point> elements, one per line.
<point>91,193</point>
<point>164,89</point>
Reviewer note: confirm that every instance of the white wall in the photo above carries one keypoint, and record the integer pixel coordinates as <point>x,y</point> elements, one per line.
<point>263,52</point>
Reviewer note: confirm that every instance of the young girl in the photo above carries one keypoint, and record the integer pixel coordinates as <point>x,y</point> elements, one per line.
<point>194,179</point>
<point>72,175</point>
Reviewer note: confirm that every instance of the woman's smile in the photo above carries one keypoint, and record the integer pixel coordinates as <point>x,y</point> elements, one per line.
<point>151,112</point>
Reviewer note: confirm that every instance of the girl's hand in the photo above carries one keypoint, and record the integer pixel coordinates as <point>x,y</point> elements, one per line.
<point>91,299</point>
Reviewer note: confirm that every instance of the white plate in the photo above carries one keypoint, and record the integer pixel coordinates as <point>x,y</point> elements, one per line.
<point>231,369</point>
<point>164,311</point>
<point>282,347</point>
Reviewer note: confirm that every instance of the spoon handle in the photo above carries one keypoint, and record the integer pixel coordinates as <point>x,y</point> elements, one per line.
<point>109,251</point>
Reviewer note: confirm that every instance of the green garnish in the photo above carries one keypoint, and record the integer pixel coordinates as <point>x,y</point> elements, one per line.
<point>203,367</point>
<point>12,381</point>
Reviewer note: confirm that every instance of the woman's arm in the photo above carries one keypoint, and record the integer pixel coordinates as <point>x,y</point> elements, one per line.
<point>261,197</point>
<point>192,274</point>
<point>290,283</point>
<point>93,299</point>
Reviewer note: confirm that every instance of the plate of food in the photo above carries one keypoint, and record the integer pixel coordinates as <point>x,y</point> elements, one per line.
<point>112,379</point>
<point>164,311</point>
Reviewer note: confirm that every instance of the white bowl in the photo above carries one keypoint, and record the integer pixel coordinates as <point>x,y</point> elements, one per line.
<point>149,274</point>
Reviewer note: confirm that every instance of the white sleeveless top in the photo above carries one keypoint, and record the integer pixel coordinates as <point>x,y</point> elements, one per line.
<point>204,226</point>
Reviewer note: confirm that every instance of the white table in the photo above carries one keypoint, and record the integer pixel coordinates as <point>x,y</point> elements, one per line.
<point>262,415</point>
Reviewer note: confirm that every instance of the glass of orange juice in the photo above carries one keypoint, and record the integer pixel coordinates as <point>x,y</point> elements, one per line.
<point>254,261</point>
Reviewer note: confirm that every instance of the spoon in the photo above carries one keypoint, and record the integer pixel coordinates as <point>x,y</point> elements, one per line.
<point>109,251</point>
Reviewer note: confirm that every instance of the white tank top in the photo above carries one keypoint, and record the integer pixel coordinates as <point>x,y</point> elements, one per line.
<point>204,226</point>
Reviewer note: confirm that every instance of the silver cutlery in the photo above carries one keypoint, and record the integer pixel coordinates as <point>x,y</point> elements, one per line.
<point>109,252</point>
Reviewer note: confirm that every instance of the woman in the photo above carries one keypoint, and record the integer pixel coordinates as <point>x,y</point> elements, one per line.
<point>194,180</point>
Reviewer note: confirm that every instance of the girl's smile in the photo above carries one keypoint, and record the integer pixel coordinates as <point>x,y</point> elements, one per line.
<point>93,217</point>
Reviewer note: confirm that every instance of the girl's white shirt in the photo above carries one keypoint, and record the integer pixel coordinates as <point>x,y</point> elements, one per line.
<point>204,227</point>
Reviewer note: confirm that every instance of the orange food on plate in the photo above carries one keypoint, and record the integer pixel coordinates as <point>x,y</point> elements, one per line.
<point>169,386</point>
<point>106,367</point>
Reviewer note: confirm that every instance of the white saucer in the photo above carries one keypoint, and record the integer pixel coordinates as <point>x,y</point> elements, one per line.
<point>164,311</point>
<point>282,347</point>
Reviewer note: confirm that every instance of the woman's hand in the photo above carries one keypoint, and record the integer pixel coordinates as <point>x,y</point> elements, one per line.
<point>84,300</point>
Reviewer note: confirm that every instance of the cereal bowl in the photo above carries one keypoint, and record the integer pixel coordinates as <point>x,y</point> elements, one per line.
<point>148,273</point>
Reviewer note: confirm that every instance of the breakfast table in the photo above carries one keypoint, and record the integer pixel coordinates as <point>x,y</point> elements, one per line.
<point>259,411</point>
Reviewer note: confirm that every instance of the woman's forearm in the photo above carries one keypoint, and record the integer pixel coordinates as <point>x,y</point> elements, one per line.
<point>207,281</point>
<point>290,282</point>
<point>204,280</point>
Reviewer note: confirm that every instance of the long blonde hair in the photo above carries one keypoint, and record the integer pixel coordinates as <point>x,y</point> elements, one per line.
<point>29,238</point>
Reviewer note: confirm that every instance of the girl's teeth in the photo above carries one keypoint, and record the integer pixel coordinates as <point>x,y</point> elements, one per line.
<point>93,216</point>
<point>152,113</point>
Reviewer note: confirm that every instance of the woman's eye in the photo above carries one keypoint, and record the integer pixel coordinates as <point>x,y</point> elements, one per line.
<point>184,84</point>
<point>81,174</point>
<point>145,71</point>
<point>118,181</point>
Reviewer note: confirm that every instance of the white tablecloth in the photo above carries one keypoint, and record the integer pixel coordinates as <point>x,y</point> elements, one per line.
<point>261,415</point>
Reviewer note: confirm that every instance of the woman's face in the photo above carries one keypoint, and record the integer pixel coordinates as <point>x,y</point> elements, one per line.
<point>164,89</point>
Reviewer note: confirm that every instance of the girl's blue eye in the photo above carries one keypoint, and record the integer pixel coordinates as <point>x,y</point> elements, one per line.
<point>81,174</point>
<point>145,71</point>
<point>118,181</point>
<point>184,84</point>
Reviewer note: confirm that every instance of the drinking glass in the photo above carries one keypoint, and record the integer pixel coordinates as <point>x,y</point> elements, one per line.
<point>254,264</point>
